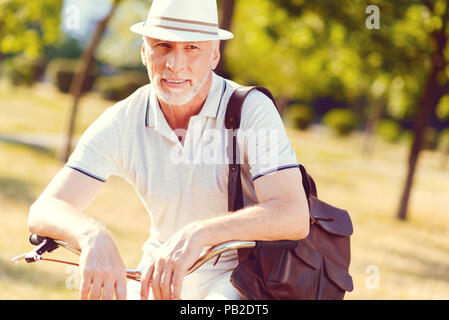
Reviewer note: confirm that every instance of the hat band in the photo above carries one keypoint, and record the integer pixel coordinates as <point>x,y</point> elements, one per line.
<point>184,29</point>
<point>186,21</point>
<point>183,25</point>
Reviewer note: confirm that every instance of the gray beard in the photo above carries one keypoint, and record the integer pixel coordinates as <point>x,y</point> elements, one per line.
<point>176,98</point>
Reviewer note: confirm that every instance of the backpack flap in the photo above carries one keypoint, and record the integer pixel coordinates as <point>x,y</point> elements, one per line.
<point>308,254</point>
<point>332,219</point>
<point>338,275</point>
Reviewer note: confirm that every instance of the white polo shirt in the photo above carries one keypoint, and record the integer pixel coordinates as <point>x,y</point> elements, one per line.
<point>181,183</point>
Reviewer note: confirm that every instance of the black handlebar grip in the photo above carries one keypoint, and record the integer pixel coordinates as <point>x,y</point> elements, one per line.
<point>281,244</point>
<point>36,240</point>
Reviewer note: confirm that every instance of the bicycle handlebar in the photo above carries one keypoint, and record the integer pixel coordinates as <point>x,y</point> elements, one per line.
<point>46,244</point>
<point>35,239</point>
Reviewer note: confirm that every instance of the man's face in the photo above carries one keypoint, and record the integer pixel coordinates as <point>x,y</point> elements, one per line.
<point>178,70</point>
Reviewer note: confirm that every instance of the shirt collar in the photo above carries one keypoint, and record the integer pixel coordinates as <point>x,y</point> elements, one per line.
<point>212,103</point>
<point>154,116</point>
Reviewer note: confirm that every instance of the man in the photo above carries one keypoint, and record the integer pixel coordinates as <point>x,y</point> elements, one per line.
<point>144,139</point>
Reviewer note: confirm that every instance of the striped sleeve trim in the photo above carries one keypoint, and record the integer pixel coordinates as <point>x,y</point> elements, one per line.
<point>276,169</point>
<point>87,173</point>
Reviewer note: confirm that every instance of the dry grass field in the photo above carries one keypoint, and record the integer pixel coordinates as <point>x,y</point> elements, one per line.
<point>391,259</point>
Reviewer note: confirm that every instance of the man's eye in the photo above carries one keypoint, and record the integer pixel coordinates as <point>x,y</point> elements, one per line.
<point>163,44</point>
<point>192,47</point>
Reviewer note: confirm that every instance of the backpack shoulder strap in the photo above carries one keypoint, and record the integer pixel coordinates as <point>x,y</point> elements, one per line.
<point>232,122</point>
<point>234,109</point>
<point>308,183</point>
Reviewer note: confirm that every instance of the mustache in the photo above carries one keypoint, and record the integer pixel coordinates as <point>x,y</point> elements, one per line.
<point>172,76</point>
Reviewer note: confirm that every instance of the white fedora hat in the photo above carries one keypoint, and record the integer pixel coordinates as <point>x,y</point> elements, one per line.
<point>182,20</point>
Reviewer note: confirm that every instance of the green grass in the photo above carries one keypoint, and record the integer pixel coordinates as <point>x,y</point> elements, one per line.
<point>44,109</point>
<point>24,173</point>
<point>412,257</point>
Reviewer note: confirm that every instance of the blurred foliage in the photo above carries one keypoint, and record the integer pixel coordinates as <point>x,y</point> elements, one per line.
<point>298,116</point>
<point>61,71</point>
<point>118,87</point>
<point>304,50</point>
<point>407,137</point>
<point>430,142</point>
<point>27,26</point>
<point>65,47</point>
<point>430,139</point>
<point>443,108</point>
<point>389,129</point>
<point>120,47</point>
<point>301,50</point>
<point>21,70</point>
<point>341,121</point>
<point>443,140</point>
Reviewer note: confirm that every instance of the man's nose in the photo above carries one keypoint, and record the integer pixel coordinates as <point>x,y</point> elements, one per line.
<point>176,60</point>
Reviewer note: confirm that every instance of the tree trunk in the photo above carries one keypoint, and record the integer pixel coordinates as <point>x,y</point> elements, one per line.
<point>373,118</point>
<point>84,63</point>
<point>227,12</point>
<point>429,101</point>
<point>431,96</point>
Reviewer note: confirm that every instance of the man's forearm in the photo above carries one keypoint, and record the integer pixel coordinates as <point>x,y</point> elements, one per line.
<point>271,220</point>
<point>58,219</point>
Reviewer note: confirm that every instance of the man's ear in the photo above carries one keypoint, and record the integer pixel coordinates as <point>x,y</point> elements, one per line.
<point>216,55</point>
<point>142,55</point>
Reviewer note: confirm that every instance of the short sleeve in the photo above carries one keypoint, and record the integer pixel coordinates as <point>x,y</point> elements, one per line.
<point>96,152</point>
<point>266,144</point>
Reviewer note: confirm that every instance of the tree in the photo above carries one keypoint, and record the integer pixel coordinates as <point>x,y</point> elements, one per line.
<point>120,48</point>
<point>298,53</point>
<point>436,86</point>
<point>226,16</point>
<point>28,26</point>
<point>84,63</point>
<point>303,50</point>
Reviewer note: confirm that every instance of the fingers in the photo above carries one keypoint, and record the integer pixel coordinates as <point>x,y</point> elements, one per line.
<point>165,284</point>
<point>108,290</point>
<point>96,287</point>
<point>145,283</point>
<point>120,289</point>
<point>155,283</point>
<point>102,269</point>
<point>85,287</point>
<point>104,290</point>
<point>95,291</point>
<point>177,285</point>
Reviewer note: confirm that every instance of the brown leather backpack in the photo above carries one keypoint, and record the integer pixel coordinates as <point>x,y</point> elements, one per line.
<point>316,267</point>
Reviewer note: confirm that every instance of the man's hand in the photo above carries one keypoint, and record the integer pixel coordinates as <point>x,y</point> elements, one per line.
<point>170,263</point>
<point>101,268</point>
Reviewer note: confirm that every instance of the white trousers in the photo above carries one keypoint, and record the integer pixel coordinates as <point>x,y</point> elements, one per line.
<point>209,282</point>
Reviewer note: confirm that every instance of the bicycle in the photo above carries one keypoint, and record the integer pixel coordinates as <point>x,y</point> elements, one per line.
<point>45,244</point>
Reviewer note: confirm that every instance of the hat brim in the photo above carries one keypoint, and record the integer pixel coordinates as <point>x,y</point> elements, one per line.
<point>178,35</point>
